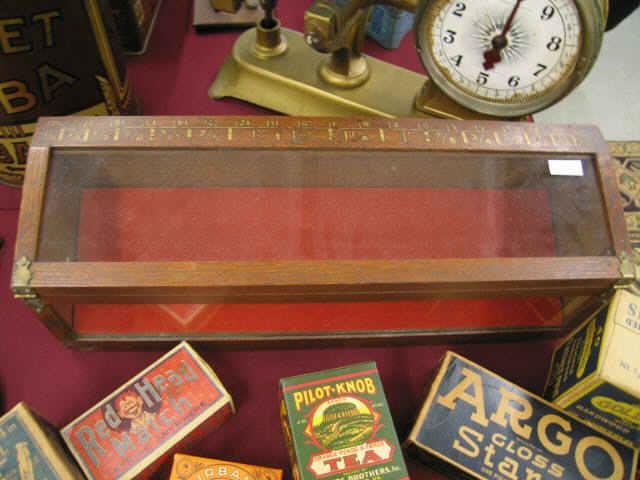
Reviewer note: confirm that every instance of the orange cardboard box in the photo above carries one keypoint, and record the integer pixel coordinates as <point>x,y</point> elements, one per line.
<point>186,467</point>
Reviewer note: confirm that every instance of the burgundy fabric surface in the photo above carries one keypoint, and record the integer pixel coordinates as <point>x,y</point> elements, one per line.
<point>312,224</point>
<point>172,78</point>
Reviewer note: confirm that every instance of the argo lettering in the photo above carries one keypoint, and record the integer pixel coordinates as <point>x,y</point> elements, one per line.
<point>514,411</point>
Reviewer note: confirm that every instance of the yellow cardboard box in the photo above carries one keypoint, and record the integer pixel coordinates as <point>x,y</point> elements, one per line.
<point>595,372</point>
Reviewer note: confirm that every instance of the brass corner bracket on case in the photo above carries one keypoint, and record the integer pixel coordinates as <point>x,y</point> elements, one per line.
<point>21,285</point>
<point>630,271</point>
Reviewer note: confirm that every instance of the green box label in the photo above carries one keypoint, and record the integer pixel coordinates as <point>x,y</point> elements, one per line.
<point>338,425</point>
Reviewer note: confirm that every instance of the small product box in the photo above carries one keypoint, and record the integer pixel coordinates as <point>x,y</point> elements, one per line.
<point>186,467</point>
<point>135,20</point>
<point>475,424</point>
<point>135,430</point>
<point>31,449</point>
<point>595,372</point>
<point>337,425</point>
<point>389,25</point>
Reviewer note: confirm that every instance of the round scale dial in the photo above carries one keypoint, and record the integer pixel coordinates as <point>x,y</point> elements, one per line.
<point>508,57</point>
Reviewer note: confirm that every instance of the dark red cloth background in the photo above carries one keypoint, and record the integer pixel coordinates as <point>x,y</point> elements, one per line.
<point>173,78</point>
<point>254,224</point>
<point>313,223</point>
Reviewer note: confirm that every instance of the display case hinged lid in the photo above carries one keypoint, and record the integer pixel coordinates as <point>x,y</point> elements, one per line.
<point>79,167</point>
<point>285,210</point>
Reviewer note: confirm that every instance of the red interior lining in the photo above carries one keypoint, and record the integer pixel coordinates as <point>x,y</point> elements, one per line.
<point>136,224</point>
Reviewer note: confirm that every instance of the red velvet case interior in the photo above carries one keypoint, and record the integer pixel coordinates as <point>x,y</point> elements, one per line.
<point>244,224</point>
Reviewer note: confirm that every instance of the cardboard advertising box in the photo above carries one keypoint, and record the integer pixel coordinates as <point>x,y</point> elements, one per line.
<point>389,25</point>
<point>187,467</point>
<point>595,372</point>
<point>133,431</point>
<point>135,20</point>
<point>476,424</point>
<point>337,426</point>
<point>30,449</point>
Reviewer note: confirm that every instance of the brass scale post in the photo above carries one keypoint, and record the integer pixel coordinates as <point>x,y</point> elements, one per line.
<point>275,67</point>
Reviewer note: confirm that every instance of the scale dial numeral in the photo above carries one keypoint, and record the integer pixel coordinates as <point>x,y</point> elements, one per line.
<point>547,12</point>
<point>539,69</point>
<point>483,78</point>
<point>450,36</point>
<point>460,7</point>
<point>554,44</point>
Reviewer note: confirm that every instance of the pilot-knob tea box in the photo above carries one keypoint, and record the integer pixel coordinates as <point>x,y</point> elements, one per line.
<point>337,426</point>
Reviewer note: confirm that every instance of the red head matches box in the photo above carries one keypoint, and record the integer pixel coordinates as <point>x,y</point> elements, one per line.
<point>131,433</point>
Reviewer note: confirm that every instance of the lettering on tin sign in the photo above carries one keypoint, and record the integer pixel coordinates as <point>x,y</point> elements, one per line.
<point>16,95</point>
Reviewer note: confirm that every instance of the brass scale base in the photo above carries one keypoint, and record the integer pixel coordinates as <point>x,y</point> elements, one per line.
<point>289,82</point>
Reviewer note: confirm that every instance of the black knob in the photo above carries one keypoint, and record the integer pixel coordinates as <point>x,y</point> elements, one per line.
<point>269,20</point>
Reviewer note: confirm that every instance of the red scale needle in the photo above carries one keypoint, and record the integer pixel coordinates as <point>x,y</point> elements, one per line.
<point>492,56</point>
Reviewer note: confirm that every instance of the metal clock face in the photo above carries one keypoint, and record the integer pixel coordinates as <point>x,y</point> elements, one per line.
<point>504,57</point>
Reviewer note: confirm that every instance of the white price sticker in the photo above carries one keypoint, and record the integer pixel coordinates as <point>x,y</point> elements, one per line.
<point>567,168</point>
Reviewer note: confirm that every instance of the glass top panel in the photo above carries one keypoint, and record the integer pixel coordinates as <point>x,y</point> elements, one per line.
<point>242,205</point>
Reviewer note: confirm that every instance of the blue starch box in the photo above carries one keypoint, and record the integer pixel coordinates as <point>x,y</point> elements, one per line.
<point>30,449</point>
<point>475,424</point>
<point>595,372</point>
<point>387,25</point>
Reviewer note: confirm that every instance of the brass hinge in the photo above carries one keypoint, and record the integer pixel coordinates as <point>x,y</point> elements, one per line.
<point>21,285</point>
<point>630,272</point>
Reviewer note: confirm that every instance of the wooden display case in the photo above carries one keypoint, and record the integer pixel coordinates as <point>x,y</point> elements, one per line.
<point>289,231</point>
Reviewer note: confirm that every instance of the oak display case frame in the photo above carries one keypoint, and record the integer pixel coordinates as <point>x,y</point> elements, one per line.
<point>52,285</point>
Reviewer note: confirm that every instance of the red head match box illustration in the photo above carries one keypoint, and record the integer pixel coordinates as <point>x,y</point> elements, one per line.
<point>139,426</point>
